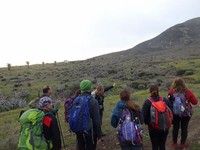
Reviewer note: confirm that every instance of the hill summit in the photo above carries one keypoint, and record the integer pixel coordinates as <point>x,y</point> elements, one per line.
<point>183,35</point>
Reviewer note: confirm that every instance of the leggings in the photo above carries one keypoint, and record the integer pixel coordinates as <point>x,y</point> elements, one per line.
<point>180,122</point>
<point>158,138</point>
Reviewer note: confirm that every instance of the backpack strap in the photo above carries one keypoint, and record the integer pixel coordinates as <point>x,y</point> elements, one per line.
<point>31,137</point>
<point>131,113</point>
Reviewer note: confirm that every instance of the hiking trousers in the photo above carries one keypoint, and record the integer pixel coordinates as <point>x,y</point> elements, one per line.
<point>180,122</point>
<point>86,141</point>
<point>158,138</point>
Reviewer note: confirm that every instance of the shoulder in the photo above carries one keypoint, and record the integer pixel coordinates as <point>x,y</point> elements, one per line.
<point>120,104</point>
<point>147,101</point>
<point>92,100</point>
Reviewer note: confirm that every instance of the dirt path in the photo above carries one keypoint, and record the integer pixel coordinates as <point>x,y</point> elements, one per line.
<point>110,141</point>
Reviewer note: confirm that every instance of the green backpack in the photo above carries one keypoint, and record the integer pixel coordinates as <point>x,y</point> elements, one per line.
<point>31,134</point>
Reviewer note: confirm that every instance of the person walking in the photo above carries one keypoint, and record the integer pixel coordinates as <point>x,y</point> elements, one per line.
<point>182,99</point>
<point>158,116</point>
<point>99,94</point>
<point>84,118</point>
<point>51,129</point>
<point>127,118</point>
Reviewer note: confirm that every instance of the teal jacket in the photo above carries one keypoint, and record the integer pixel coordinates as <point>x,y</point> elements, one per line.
<point>116,113</point>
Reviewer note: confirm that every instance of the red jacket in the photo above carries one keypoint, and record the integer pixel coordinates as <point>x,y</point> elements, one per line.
<point>188,94</point>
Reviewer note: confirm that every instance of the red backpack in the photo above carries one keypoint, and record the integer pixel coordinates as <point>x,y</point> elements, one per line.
<point>160,115</point>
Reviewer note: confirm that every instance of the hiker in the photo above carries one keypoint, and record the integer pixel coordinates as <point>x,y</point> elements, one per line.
<point>99,94</point>
<point>51,129</point>
<point>158,116</point>
<point>69,101</point>
<point>181,98</point>
<point>84,118</point>
<point>46,91</point>
<point>127,118</point>
<point>31,132</point>
<point>33,126</point>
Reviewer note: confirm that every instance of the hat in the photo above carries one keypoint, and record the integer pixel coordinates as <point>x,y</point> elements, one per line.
<point>44,101</point>
<point>85,85</point>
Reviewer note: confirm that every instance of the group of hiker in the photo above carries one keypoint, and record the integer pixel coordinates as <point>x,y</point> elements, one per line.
<point>41,130</point>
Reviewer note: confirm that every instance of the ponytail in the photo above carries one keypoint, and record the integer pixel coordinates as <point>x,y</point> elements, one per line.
<point>154,90</point>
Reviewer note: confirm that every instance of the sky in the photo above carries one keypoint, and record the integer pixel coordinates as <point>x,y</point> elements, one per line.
<point>57,30</point>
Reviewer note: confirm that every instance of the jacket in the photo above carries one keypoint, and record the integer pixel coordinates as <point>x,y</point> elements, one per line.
<point>147,106</point>
<point>117,112</point>
<point>100,98</point>
<point>51,130</point>
<point>188,94</point>
<point>94,115</point>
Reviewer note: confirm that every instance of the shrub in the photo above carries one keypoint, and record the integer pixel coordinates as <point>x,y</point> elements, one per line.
<point>6,105</point>
<point>23,94</point>
<point>180,72</point>
<point>189,72</point>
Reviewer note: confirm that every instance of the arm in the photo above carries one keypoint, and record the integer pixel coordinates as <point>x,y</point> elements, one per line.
<point>146,111</point>
<point>115,117</point>
<point>51,131</point>
<point>168,102</point>
<point>191,97</point>
<point>140,116</point>
<point>95,116</point>
<point>116,113</point>
<point>108,88</point>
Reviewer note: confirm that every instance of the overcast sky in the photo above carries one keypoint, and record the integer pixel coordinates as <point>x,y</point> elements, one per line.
<point>58,30</point>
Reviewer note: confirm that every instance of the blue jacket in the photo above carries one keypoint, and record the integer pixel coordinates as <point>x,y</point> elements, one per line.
<point>116,113</point>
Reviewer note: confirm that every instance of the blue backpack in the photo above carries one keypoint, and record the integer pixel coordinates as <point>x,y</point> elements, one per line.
<point>129,128</point>
<point>181,106</point>
<point>79,115</point>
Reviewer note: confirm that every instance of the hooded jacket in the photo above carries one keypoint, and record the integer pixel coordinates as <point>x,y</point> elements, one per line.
<point>117,111</point>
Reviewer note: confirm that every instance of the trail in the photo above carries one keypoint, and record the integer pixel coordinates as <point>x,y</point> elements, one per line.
<point>110,141</point>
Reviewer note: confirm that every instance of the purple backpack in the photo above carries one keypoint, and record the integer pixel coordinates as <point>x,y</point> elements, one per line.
<point>129,128</point>
<point>181,106</point>
<point>68,105</point>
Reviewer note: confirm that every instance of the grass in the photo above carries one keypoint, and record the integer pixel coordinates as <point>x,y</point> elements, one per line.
<point>9,126</point>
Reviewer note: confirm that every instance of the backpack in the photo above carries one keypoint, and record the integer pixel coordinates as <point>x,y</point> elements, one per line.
<point>68,105</point>
<point>181,106</point>
<point>129,128</point>
<point>160,115</point>
<point>31,134</point>
<point>79,115</point>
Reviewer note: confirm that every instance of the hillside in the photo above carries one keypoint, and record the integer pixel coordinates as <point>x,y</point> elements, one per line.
<point>180,42</point>
<point>181,36</point>
<point>175,52</point>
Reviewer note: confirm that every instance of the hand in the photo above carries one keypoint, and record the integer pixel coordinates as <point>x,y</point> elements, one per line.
<point>113,84</point>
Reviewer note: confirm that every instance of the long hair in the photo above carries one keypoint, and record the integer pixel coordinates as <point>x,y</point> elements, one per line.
<point>100,90</point>
<point>154,90</point>
<point>125,95</point>
<point>179,85</point>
